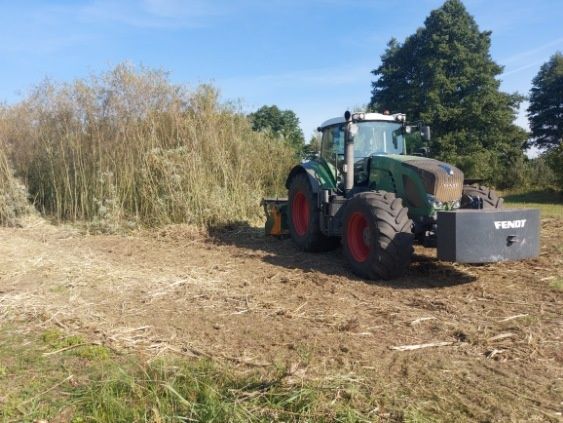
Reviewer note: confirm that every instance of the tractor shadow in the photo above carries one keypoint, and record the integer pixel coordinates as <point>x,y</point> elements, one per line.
<point>425,271</point>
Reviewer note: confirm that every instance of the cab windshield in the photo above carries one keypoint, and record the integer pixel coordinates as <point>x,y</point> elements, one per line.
<point>378,138</point>
<point>369,138</point>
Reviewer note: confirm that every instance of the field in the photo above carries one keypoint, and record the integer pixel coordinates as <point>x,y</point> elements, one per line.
<point>180,324</point>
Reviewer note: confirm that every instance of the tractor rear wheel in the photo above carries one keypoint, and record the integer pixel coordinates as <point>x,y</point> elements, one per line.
<point>475,193</point>
<point>304,224</point>
<point>377,235</point>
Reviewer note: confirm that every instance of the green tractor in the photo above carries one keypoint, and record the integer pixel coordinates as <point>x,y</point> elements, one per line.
<point>365,192</point>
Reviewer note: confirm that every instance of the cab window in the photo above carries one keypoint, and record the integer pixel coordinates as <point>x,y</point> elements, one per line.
<point>332,144</point>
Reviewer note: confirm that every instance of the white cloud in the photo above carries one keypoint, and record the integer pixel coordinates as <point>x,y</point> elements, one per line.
<point>320,77</point>
<point>155,13</point>
<point>525,55</point>
<point>174,9</point>
<point>523,67</point>
<point>44,43</point>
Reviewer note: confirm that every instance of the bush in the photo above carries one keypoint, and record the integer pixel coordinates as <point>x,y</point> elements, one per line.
<point>554,159</point>
<point>540,174</point>
<point>130,147</point>
<point>509,171</point>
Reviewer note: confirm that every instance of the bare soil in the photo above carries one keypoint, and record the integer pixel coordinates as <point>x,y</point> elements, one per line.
<point>236,296</point>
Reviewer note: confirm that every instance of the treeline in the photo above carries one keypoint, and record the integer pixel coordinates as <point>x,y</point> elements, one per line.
<point>128,147</point>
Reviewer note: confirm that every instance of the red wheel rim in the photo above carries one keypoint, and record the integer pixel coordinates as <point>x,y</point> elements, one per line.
<point>357,234</point>
<point>300,213</point>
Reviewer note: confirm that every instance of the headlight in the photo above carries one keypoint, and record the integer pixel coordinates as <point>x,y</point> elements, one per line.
<point>433,202</point>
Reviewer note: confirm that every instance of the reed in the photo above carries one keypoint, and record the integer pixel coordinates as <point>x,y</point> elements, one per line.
<point>13,196</point>
<point>128,147</point>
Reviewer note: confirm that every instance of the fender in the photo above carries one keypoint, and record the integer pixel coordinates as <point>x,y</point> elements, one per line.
<point>320,175</point>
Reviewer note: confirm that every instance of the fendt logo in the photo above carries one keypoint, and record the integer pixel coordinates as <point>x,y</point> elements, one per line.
<point>509,224</point>
<point>451,185</point>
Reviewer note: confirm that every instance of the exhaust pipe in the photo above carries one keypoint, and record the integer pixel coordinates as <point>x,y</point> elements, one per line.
<point>348,153</point>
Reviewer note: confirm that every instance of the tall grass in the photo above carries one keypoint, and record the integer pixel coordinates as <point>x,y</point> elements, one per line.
<point>13,197</point>
<point>128,147</point>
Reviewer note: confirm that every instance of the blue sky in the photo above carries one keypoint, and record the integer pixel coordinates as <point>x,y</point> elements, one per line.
<point>311,56</point>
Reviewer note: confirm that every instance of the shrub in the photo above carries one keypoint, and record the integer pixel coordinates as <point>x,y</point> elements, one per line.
<point>128,147</point>
<point>554,159</point>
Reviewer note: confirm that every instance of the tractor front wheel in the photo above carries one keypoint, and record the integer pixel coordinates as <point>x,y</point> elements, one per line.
<point>474,194</point>
<point>304,224</point>
<point>377,235</point>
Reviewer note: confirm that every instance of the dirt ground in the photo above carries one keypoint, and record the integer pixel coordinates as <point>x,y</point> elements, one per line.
<point>252,301</point>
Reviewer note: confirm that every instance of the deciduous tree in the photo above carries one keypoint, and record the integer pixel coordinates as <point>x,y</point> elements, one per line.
<point>282,123</point>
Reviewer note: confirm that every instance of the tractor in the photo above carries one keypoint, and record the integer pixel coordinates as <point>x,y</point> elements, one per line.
<point>365,192</point>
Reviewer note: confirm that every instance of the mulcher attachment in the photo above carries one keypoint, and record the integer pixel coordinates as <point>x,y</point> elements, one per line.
<point>276,216</point>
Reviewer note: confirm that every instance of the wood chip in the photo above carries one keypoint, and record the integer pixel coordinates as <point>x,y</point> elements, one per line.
<point>421,319</point>
<point>494,352</point>
<point>517,316</point>
<point>420,346</point>
<point>502,336</point>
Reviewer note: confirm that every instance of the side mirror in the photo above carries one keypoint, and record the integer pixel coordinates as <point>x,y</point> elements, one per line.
<point>425,133</point>
<point>422,152</point>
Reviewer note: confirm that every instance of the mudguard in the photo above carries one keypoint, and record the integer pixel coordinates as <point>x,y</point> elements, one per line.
<point>321,175</point>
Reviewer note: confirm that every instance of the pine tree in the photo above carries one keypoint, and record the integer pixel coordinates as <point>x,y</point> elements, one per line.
<point>546,104</point>
<point>444,76</point>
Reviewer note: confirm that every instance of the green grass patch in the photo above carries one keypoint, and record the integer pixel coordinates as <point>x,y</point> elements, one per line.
<point>549,202</point>
<point>413,415</point>
<point>50,382</point>
<point>557,284</point>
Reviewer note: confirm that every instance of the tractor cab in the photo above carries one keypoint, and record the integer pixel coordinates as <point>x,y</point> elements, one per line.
<point>373,134</point>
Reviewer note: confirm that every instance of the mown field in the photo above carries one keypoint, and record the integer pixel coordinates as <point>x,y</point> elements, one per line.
<point>181,324</point>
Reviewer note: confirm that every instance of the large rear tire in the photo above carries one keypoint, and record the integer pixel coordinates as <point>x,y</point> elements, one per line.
<point>476,192</point>
<point>377,235</point>
<point>304,225</point>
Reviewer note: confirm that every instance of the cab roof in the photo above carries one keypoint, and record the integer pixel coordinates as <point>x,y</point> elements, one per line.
<point>358,117</point>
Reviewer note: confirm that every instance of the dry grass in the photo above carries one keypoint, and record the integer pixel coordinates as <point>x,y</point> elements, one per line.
<point>255,304</point>
<point>13,197</point>
<point>129,147</point>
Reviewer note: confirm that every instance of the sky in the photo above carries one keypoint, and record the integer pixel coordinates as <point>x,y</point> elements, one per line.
<point>311,56</point>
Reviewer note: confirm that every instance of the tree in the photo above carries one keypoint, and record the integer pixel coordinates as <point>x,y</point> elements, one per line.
<point>313,147</point>
<point>444,76</point>
<point>546,104</point>
<point>282,123</point>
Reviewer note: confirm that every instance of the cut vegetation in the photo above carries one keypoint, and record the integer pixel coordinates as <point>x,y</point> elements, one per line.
<point>181,325</point>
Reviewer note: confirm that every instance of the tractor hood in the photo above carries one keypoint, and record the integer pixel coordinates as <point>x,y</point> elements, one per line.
<point>442,180</point>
